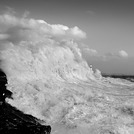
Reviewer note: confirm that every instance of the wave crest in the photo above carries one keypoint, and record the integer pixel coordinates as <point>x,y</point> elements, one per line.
<point>37,61</point>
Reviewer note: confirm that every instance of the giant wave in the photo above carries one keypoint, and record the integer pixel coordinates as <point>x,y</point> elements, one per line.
<point>51,81</point>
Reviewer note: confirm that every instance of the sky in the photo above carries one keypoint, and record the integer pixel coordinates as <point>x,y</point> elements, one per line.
<point>108,24</point>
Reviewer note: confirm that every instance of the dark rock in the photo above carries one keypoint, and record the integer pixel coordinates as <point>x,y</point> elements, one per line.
<point>14,121</point>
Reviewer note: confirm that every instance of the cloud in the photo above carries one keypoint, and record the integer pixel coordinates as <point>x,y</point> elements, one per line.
<point>26,13</point>
<point>4,36</point>
<point>95,56</point>
<point>116,55</point>
<point>31,29</point>
<point>77,32</point>
<point>123,54</point>
<point>91,52</point>
<point>9,10</point>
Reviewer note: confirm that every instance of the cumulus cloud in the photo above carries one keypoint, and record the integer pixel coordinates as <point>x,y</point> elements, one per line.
<point>31,29</point>
<point>119,54</point>
<point>91,52</point>
<point>123,54</point>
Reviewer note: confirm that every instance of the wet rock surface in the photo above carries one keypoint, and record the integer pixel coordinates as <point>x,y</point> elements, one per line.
<point>14,121</point>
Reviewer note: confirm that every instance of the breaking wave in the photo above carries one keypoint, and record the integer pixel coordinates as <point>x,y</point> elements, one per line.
<point>50,80</point>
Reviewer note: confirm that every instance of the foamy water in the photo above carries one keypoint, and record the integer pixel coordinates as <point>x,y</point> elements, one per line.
<point>50,80</point>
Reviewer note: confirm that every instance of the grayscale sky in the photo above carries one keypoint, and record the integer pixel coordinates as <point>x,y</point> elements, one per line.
<point>109,25</point>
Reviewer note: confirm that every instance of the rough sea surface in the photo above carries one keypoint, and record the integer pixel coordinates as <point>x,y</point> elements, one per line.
<point>51,81</point>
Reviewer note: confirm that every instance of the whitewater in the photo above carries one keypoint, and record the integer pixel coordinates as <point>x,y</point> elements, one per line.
<point>51,81</point>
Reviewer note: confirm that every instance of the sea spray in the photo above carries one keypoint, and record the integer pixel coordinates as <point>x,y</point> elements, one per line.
<point>51,81</point>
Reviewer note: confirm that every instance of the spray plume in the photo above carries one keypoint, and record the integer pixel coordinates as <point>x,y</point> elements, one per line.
<point>49,78</point>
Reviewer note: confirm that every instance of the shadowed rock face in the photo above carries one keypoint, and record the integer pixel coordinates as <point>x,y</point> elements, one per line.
<point>13,120</point>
